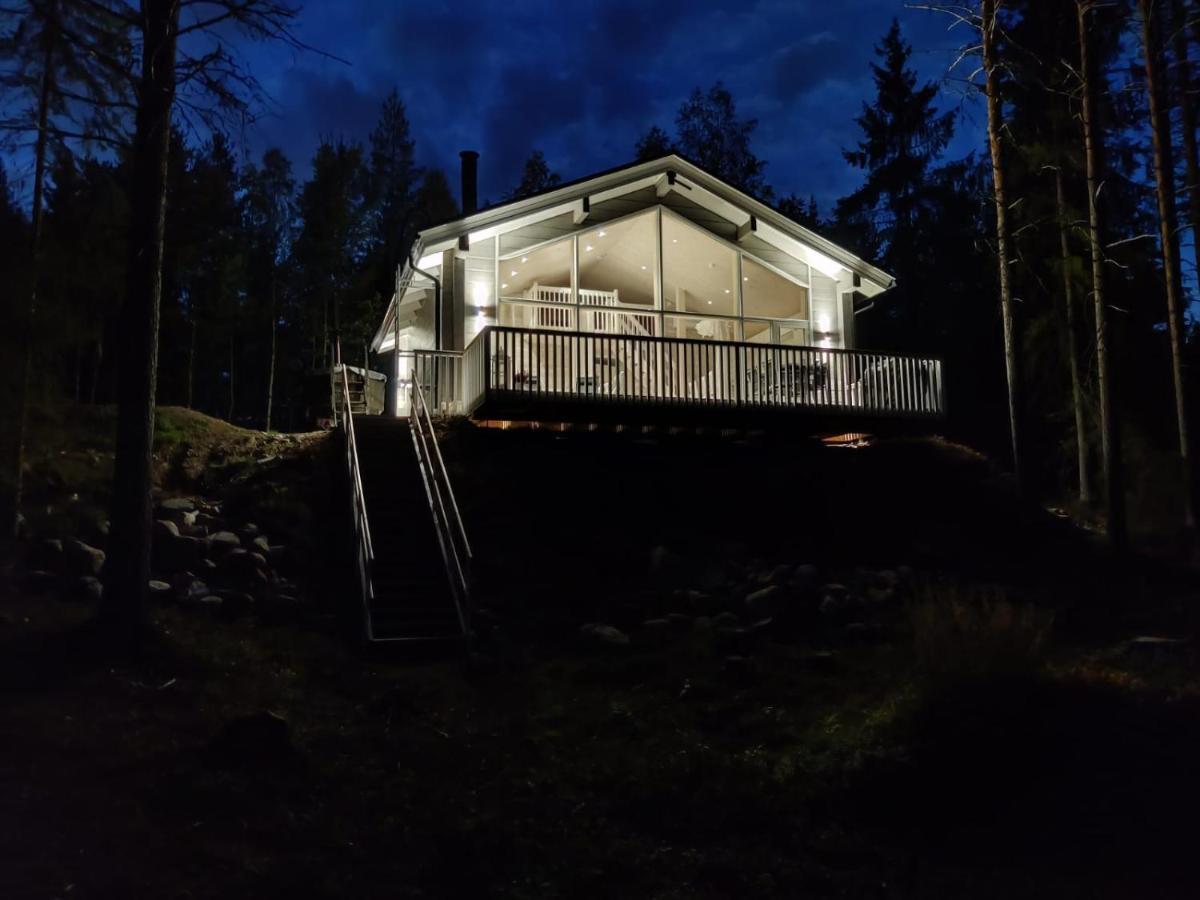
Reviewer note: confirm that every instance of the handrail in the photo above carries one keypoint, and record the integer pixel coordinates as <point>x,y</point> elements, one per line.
<point>447,519</point>
<point>364,547</point>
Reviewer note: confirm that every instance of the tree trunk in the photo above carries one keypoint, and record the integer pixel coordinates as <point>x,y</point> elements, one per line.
<point>1085,491</point>
<point>97,361</point>
<point>1188,109</point>
<point>995,124</point>
<point>271,370</point>
<point>128,566</point>
<point>1168,225</point>
<point>12,514</point>
<point>1110,430</point>
<point>229,418</point>
<point>191,368</point>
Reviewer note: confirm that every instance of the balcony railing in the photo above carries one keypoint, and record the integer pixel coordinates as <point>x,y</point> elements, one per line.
<point>507,363</point>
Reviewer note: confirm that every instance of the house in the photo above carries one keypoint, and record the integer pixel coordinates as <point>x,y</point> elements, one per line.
<point>654,291</point>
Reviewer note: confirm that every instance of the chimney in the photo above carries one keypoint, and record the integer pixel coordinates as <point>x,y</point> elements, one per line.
<point>470,168</point>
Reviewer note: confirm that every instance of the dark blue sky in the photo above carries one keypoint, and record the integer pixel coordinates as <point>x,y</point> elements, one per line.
<point>582,79</point>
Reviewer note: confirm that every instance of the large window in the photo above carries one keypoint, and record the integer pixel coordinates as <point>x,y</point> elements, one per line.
<point>699,272</point>
<point>769,295</point>
<point>605,279</point>
<point>618,263</point>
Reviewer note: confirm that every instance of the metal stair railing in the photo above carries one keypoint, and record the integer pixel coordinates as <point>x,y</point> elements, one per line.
<point>447,519</point>
<point>364,550</point>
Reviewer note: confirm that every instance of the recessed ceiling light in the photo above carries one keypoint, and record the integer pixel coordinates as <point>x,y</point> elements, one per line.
<point>588,247</point>
<point>710,303</point>
<point>524,259</point>
<point>674,240</point>
<point>746,278</point>
<point>643,268</point>
<point>603,233</point>
<point>727,290</point>
<point>513,273</point>
<point>503,286</point>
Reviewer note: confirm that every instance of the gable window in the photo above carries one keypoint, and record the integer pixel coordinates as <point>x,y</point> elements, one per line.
<point>699,272</point>
<point>535,287</point>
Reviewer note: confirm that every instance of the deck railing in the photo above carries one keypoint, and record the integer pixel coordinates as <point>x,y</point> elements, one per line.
<point>447,520</point>
<point>648,370</point>
<point>652,370</point>
<point>364,552</point>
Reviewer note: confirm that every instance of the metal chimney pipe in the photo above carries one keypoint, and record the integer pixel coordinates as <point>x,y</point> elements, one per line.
<point>470,179</point>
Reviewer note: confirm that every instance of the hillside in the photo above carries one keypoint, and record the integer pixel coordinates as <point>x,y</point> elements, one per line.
<point>725,667</point>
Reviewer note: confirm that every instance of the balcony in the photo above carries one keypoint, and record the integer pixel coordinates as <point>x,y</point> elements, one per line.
<point>535,373</point>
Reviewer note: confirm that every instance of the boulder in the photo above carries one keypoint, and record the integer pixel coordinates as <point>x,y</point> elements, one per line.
<point>777,575</point>
<point>236,603</point>
<point>222,542</point>
<point>191,590</point>
<point>158,590</point>
<point>165,529</point>
<point>175,554</point>
<point>604,636</point>
<point>35,581</point>
<point>667,567</point>
<point>654,632</point>
<point>210,603</point>
<point>262,545</point>
<point>47,556</point>
<point>805,579</point>
<point>761,603</point>
<point>87,589</point>
<point>726,620</point>
<point>174,505</point>
<point>249,531</point>
<point>82,559</point>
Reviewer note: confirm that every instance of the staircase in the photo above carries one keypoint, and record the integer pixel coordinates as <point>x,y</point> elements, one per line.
<point>356,384</point>
<point>412,598</point>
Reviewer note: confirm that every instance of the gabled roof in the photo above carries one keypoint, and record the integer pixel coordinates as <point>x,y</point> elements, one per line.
<point>667,173</point>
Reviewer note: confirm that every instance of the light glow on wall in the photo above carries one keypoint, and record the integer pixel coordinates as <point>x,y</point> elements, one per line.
<point>823,264</point>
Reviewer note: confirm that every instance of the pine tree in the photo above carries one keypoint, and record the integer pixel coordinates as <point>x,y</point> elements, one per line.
<point>535,178</point>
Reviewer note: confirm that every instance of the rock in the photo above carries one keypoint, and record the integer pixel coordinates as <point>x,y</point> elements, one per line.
<point>259,741</point>
<point>777,575</point>
<point>262,545</point>
<point>165,529</point>
<point>667,567</point>
<point>158,590</point>
<point>740,669</point>
<point>655,632</point>
<point>83,559</point>
<point>604,636</point>
<point>47,556</point>
<point>823,662</point>
<point>881,596</point>
<point>174,554</point>
<point>179,510</point>
<point>761,603</point>
<point>210,603</point>
<point>726,620</point>
<point>191,590</point>
<point>249,531</point>
<point>236,603</point>
<point>35,581</point>
<point>87,589</point>
<point>805,579</point>
<point>222,542</point>
<point>281,558</point>
<point>888,578</point>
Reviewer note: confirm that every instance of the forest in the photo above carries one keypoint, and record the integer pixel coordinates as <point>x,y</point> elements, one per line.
<point>956,658</point>
<point>1052,267</point>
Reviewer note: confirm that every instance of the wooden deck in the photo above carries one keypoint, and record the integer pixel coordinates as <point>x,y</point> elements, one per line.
<point>521,373</point>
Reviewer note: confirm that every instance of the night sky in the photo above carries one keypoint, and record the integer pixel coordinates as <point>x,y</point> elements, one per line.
<point>582,79</point>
